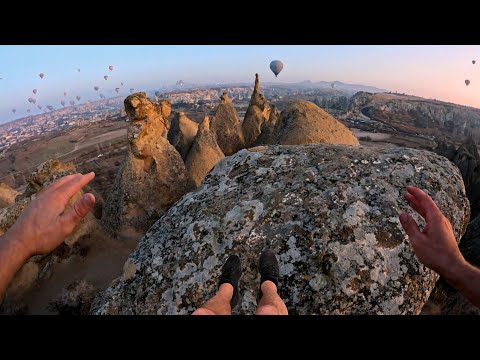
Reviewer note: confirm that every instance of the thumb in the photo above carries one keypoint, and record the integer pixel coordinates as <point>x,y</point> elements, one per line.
<point>410,226</point>
<point>78,211</point>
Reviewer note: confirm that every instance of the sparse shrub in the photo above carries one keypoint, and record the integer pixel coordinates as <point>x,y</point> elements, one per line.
<point>76,299</point>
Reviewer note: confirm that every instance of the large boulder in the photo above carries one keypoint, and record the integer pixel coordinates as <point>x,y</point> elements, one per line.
<point>153,176</point>
<point>330,212</point>
<point>40,267</point>
<point>303,122</point>
<point>7,195</point>
<point>204,153</point>
<point>257,113</point>
<point>226,126</point>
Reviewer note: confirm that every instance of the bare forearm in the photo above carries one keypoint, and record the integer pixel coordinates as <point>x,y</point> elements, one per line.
<point>12,258</point>
<point>466,279</point>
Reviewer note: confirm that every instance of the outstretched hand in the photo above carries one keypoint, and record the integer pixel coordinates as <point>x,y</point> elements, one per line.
<point>435,246</point>
<point>45,223</point>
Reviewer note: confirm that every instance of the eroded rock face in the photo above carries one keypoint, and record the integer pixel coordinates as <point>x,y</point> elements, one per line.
<point>303,122</point>
<point>153,176</point>
<point>257,113</point>
<point>182,133</point>
<point>7,195</point>
<point>226,126</point>
<point>39,267</point>
<point>204,153</point>
<point>330,212</point>
<point>268,127</point>
<point>467,158</point>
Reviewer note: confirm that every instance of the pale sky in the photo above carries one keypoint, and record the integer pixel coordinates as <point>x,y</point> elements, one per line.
<point>429,71</point>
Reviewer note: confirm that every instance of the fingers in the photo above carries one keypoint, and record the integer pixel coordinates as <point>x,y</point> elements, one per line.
<point>77,212</point>
<point>415,204</point>
<point>424,204</point>
<point>410,226</point>
<point>74,184</point>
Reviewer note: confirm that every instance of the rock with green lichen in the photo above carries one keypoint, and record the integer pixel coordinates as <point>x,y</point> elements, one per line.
<point>330,212</point>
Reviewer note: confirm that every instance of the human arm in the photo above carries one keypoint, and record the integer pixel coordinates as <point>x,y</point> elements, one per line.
<point>436,246</point>
<point>43,225</point>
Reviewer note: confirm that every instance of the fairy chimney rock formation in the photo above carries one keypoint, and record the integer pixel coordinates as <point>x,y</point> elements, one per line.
<point>257,113</point>
<point>303,122</point>
<point>227,128</point>
<point>204,153</point>
<point>153,176</point>
<point>182,133</point>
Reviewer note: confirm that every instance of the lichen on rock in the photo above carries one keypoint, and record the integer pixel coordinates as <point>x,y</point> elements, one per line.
<point>330,212</point>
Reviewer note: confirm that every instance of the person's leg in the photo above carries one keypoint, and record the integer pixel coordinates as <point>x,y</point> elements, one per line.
<point>270,302</point>
<point>226,297</point>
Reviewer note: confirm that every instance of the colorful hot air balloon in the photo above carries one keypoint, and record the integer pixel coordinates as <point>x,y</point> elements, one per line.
<point>117,90</point>
<point>276,66</point>
<point>72,102</point>
<point>41,75</point>
<point>34,101</point>
<point>78,98</point>
<point>30,100</point>
<point>96,88</point>
<point>14,110</point>
<point>121,84</point>
<point>473,62</point>
<point>78,70</point>
<point>467,82</point>
<point>34,91</point>
<point>63,103</point>
<point>110,68</point>
<point>106,77</point>
<point>50,107</point>
<point>39,106</point>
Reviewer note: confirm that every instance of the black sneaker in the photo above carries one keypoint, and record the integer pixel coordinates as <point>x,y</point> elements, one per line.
<point>231,273</point>
<point>268,267</point>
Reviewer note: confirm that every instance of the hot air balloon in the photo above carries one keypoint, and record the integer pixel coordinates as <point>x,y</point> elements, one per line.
<point>39,106</point>
<point>78,98</point>
<point>72,102</point>
<point>64,94</point>
<point>333,86</point>
<point>14,110</point>
<point>34,91</point>
<point>96,88</point>
<point>50,107</point>
<point>34,101</point>
<point>41,75</point>
<point>467,82</point>
<point>473,62</point>
<point>117,89</point>
<point>102,96</point>
<point>28,110</point>
<point>110,68</point>
<point>121,84</point>
<point>131,91</point>
<point>30,100</point>
<point>78,70</point>
<point>106,77</point>
<point>276,66</point>
<point>63,103</point>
